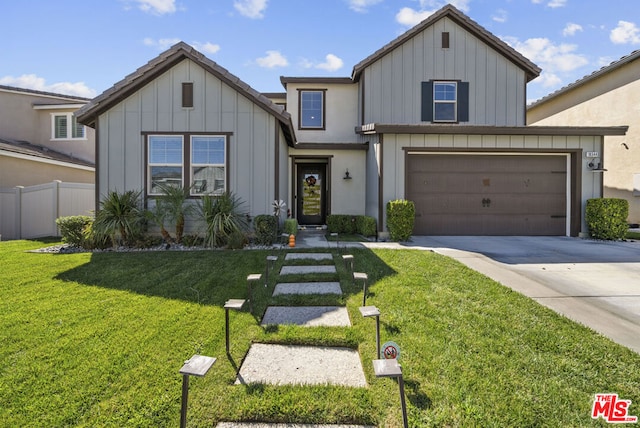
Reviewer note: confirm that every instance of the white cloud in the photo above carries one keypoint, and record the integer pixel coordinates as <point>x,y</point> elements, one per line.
<point>31,81</point>
<point>157,7</point>
<point>253,9</point>
<point>571,29</point>
<point>272,60</point>
<point>332,63</point>
<point>549,80</point>
<point>551,57</point>
<point>362,5</point>
<point>625,32</point>
<point>410,17</point>
<point>161,44</point>
<point>206,47</point>
<point>557,3</point>
<point>501,16</point>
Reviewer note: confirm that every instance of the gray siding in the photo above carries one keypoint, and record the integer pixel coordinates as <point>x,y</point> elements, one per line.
<point>392,92</point>
<point>217,108</point>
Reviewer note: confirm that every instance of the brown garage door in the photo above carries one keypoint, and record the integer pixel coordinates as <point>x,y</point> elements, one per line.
<point>488,194</point>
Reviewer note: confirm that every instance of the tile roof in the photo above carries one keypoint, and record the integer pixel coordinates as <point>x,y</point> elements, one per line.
<point>28,149</point>
<point>588,78</point>
<point>71,98</point>
<point>88,114</point>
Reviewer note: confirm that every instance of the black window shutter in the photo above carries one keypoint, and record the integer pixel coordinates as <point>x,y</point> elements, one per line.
<point>463,101</point>
<point>427,101</point>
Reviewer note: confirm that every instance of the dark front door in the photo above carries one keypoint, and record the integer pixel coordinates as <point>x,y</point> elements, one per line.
<point>311,193</point>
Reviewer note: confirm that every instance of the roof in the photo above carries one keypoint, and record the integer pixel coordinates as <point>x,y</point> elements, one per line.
<point>531,70</point>
<point>88,114</point>
<point>590,77</point>
<point>311,80</point>
<point>381,128</point>
<point>26,148</point>
<point>71,98</point>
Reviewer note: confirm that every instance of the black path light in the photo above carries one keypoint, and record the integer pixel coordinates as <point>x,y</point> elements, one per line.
<point>198,365</point>
<point>372,311</point>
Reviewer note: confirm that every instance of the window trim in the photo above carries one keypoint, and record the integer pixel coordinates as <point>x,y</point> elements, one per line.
<point>186,158</point>
<point>149,178</point>
<point>71,119</point>
<point>322,127</point>
<point>454,102</point>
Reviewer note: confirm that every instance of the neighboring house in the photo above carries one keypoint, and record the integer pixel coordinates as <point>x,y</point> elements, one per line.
<point>436,116</point>
<point>609,96</point>
<point>40,140</point>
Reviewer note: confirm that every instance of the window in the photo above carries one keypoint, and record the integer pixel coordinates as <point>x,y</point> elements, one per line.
<point>311,109</point>
<point>196,161</point>
<point>444,101</point>
<point>208,165</point>
<point>165,162</point>
<point>64,126</point>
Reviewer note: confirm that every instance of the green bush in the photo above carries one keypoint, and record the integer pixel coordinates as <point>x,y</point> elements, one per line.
<point>266,228</point>
<point>225,220</point>
<point>607,218</point>
<point>400,218</point>
<point>344,223</point>
<point>121,217</point>
<point>291,226</point>
<point>72,228</point>
<point>366,226</point>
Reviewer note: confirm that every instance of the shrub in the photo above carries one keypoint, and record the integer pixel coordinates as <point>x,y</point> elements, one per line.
<point>120,217</point>
<point>224,219</point>
<point>291,226</point>
<point>344,223</point>
<point>266,228</point>
<point>72,228</point>
<point>400,218</point>
<point>607,218</point>
<point>366,226</point>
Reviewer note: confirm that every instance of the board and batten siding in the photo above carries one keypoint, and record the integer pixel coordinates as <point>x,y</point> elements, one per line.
<point>392,84</point>
<point>217,108</point>
<point>395,151</point>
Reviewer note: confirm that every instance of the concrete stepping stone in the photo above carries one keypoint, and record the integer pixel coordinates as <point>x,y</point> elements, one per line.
<point>308,256</point>
<point>293,270</point>
<point>301,365</point>
<point>307,288</point>
<point>307,316</point>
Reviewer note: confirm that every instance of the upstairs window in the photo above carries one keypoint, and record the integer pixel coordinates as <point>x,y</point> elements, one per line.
<point>64,126</point>
<point>312,109</point>
<point>445,101</point>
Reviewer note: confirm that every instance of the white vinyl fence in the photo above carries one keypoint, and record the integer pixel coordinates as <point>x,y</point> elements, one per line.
<point>31,212</point>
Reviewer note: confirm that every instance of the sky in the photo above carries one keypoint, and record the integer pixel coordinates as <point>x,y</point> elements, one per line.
<point>83,47</point>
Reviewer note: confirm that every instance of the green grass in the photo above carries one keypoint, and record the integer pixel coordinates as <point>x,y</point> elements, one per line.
<point>98,339</point>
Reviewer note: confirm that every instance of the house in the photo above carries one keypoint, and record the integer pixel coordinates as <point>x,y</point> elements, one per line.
<point>609,96</point>
<point>436,116</point>
<point>40,140</point>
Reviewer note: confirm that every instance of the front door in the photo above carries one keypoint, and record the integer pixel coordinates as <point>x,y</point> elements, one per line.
<point>311,193</point>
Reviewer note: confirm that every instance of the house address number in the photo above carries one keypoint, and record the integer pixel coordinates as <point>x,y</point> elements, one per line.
<point>592,154</point>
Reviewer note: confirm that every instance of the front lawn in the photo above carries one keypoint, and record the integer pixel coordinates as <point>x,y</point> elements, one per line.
<point>98,339</point>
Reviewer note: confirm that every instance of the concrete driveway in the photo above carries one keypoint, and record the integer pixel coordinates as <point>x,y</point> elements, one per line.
<point>596,283</point>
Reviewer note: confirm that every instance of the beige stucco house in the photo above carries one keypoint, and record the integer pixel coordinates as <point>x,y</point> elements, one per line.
<point>40,140</point>
<point>609,96</point>
<point>436,116</point>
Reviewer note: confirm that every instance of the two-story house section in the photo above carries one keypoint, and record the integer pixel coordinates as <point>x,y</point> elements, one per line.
<point>40,140</point>
<point>327,163</point>
<point>443,108</point>
<point>436,116</point>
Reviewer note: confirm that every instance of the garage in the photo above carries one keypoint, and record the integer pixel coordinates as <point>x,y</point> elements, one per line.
<point>488,194</point>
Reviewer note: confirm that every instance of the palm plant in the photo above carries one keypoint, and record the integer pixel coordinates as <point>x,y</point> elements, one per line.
<point>171,205</point>
<point>120,217</point>
<point>223,218</point>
